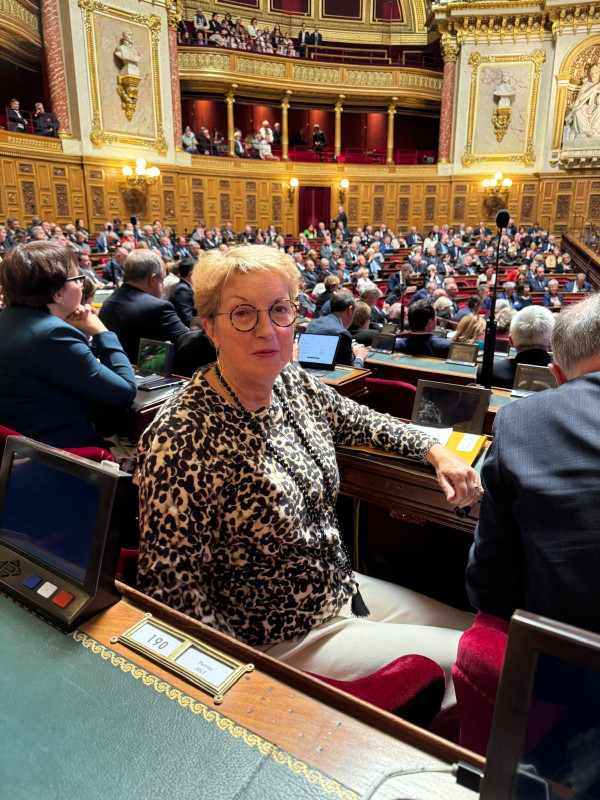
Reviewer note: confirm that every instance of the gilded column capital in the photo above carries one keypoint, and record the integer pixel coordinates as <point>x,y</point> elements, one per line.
<point>175,13</point>
<point>450,47</point>
<point>230,94</point>
<point>285,100</point>
<point>339,103</point>
<point>391,109</point>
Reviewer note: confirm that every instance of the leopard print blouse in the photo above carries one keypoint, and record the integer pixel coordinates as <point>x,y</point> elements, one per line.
<point>224,535</point>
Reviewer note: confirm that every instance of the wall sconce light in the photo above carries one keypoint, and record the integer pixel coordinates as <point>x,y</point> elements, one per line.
<point>294,182</point>
<point>344,184</point>
<point>142,175</point>
<point>497,185</point>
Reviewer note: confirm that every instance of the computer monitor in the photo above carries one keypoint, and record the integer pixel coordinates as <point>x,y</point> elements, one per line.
<point>445,405</point>
<point>383,343</point>
<point>60,530</point>
<point>463,353</point>
<point>545,738</point>
<point>155,357</point>
<point>530,378</point>
<point>318,350</point>
<point>389,329</point>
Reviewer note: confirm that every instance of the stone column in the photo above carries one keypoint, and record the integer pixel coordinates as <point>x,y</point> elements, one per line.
<point>174,17</point>
<point>450,48</point>
<point>55,65</point>
<point>285,135</point>
<point>230,100</point>
<point>337,139</point>
<point>391,112</point>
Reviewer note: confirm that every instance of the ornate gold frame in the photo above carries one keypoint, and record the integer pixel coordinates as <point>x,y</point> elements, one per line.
<point>538,57</point>
<point>99,135</point>
<point>570,157</point>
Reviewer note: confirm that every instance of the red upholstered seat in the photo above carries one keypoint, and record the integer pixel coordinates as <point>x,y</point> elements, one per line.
<point>390,397</point>
<point>476,674</point>
<point>411,687</point>
<point>97,454</point>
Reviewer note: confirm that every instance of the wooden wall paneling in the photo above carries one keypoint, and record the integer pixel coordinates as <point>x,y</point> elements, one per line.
<point>12,197</point>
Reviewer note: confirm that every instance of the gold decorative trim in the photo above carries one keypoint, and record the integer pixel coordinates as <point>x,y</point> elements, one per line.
<point>301,72</point>
<point>209,715</point>
<point>99,135</point>
<point>13,9</point>
<point>538,57</point>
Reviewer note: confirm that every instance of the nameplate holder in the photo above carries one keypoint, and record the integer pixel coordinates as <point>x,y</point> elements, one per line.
<point>208,669</point>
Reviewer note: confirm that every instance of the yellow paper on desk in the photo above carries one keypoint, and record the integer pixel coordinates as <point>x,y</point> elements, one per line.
<point>466,445</point>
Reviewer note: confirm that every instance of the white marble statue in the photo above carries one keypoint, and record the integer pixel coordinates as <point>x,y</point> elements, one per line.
<point>584,117</point>
<point>127,53</point>
<point>505,92</point>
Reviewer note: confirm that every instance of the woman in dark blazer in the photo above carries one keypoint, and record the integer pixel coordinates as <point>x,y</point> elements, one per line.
<point>58,362</point>
<point>552,297</point>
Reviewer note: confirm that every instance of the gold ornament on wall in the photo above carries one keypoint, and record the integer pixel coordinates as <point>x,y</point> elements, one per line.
<point>501,115</point>
<point>129,79</point>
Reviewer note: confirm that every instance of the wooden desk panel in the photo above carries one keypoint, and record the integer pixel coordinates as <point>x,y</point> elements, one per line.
<point>398,367</point>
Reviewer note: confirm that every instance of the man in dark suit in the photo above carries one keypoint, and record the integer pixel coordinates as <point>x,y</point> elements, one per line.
<point>113,271</point>
<point>414,237</point>
<point>148,236</point>
<point>399,280</point>
<point>165,248</point>
<point>316,38</point>
<point>536,545</point>
<point>456,249</point>
<point>319,140</point>
<point>421,341</point>
<point>424,293</point>
<point>530,333</point>
<point>341,217</point>
<point>539,283</point>
<point>338,321</point>
<point>16,120</point>
<point>482,230</point>
<point>204,142</point>
<point>209,242</point>
<point>45,122</point>
<point>181,250</point>
<point>182,294</point>
<point>135,310</point>
<point>579,284</point>
<point>303,40</point>
<point>238,146</point>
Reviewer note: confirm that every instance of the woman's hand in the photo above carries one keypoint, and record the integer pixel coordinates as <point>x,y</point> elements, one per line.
<point>85,319</point>
<point>458,481</point>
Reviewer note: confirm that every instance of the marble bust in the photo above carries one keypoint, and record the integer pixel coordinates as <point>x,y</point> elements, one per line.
<point>127,53</point>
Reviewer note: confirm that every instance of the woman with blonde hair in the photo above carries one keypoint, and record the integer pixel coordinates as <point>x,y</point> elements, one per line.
<point>470,328</point>
<point>361,276</point>
<point>238,486</point>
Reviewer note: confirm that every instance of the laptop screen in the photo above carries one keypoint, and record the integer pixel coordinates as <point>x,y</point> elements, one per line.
<point>545,740</point>
<point>461,351</point>
<point>443,405</point>
<point>384,342</point>
<point>155,357</point>
<point>317,350</point>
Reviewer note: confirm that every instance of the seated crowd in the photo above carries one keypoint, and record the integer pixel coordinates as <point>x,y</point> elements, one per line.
<point>67,372</point>
<point>251,38</point>
<point>255,145</point>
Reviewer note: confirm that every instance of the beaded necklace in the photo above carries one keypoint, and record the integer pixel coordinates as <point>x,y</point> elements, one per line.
<point>339,556</point>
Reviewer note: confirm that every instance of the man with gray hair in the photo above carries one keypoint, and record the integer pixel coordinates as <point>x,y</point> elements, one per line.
<point>530,334</point>
<point>536,543</point>
<point>136,311</point>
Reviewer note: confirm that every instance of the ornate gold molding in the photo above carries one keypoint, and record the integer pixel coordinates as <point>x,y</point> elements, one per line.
<point>13,9</point>
<point>538,57</point>
<point>450,47</point>
<point>266,69</point>
<point>300,72</point>
<point>100,135</point>
<point>175,12</point>
<point>570,158</point>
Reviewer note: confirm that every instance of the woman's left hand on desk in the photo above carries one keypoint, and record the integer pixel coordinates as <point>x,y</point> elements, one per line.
<point>458,481</point>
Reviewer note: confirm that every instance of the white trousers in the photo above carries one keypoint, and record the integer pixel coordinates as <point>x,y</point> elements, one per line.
<point>402,622</point>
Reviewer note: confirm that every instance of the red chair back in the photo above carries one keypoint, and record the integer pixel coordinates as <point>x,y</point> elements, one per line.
<point>390,397</point>
<point>476,674</point>
<point>97,454</point>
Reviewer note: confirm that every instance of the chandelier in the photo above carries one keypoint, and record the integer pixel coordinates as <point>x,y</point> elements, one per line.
<point>496,185</point>
<point>142,175</point>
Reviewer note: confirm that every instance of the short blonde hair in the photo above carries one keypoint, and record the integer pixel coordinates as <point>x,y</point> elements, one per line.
<point>442,304</point>
<point>470,328</point>
<point>504,318</point>
<point>331,281</point>
<point>216,269</point>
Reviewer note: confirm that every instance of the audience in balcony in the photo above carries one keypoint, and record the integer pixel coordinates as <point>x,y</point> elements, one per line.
<point>190,143</point>
<point>253,29</point>
<point>201,26</point>
<point>45,123</point>
<point>316,38</point>
<point>303,40</point>
<point>238,146</point>
<point>16,119</point>
<point>319,140</point>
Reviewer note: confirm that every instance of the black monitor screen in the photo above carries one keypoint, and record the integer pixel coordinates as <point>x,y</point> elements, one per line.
<point>51,515</point>
<point>560,753</point>
<point>447,408</point>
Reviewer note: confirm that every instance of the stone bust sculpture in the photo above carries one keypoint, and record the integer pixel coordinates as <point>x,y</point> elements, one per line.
<point>127,53</point>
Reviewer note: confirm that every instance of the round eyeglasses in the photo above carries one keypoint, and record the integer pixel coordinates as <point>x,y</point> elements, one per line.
<point>80,278</point>
<point>244,317</point>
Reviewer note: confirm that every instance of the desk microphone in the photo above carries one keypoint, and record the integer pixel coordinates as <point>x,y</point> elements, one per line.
<point>462,513</point>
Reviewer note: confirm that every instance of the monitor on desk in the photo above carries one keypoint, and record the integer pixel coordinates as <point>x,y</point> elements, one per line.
<point>383,343</point>
<point>444,405</point>
<point>60,530</point>
<point>530,378</point>
<point>155,357</point>
<point>318,351</point>
<point>463,353</point>
<point>389,329</point>
<point>545,736</point>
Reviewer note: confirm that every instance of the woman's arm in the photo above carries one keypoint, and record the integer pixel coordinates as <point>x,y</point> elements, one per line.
<point>69,362</point>
<point>354,424</point>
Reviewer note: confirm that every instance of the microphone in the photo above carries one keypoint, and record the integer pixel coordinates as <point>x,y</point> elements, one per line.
<point>134,220</point>
<point>502,218</point>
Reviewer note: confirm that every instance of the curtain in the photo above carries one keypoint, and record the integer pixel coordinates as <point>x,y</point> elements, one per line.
<point>314,205</point>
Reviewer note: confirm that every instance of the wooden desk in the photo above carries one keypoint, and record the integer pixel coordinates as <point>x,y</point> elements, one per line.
<point>400,367</point>
<point>86,717</point>
<point>348,381</point>
<point>402,485</point>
